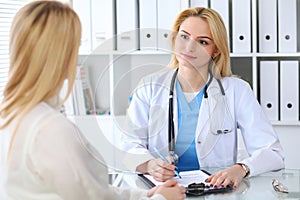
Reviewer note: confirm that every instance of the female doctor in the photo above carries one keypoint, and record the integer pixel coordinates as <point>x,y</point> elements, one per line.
<point>206,105</point>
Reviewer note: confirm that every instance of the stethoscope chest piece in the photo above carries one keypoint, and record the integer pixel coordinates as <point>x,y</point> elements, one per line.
<point>174,157</point>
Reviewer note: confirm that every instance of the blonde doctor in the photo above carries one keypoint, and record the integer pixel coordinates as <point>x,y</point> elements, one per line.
<point>192,112</point>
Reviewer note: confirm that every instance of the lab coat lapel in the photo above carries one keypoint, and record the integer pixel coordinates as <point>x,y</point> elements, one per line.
<point>202,118</point>
<point>208,140</point>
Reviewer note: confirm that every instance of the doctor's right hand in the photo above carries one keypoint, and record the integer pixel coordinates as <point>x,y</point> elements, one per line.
<point>159,169</point>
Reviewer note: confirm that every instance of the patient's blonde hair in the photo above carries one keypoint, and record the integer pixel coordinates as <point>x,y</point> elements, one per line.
<point>44,41</point>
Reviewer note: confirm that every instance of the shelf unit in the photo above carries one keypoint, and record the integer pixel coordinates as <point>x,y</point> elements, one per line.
<point>114,81</point>
<point>114,74</point>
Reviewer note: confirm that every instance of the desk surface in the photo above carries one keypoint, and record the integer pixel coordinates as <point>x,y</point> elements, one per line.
<point>252,188</point>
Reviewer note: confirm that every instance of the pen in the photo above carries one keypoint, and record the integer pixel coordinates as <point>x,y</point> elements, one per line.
<point>165,159</point>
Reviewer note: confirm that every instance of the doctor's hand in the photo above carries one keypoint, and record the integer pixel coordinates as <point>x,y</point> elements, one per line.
<point>232,175</point>
<point>159,169</point>
<point>170,190</point>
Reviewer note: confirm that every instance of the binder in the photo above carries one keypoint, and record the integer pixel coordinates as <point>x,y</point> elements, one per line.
<point>267,26</point>
<point>82,9</point>
<point>222,7</point>
<point>102,30</point>
<point>241,26</point>
<point>199,3</point>
<point>269,89</point>
<point>289,90</point>
<point>287,26</point>
<point>184,4</point>
<point>165,20</point>
<point>148,25</point>
<point>127,32</point>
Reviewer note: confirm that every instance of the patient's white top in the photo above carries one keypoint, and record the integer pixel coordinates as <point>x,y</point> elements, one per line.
<point>50,159</point>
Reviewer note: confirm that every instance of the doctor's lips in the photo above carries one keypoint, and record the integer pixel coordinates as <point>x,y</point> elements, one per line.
<point>186,56</point>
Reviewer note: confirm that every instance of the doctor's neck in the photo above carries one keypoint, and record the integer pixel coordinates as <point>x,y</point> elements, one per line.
<point>191,79</point>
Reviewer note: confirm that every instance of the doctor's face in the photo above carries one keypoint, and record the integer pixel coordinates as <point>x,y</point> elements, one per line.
<point>194,45</point>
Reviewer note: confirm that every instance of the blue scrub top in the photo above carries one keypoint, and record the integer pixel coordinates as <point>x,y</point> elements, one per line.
<point>188,114</point>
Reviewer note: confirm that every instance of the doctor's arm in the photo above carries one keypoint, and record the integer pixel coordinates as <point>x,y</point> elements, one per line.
<point>261,141</point>
<point>136,135</point>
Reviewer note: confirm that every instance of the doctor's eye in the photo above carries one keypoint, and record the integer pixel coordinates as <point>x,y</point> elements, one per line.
<point>203,42</point>
<point>183,36</point>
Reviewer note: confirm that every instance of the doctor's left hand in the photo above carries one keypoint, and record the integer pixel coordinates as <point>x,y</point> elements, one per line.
<point>232,175</point>
<point>159,169</point>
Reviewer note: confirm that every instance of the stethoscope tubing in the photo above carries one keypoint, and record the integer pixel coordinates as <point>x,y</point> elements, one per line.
<point>171,132</point>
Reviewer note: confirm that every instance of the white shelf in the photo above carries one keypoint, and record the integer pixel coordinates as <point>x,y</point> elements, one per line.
<point>276,55</point>
<point>123,70</point>
<point>238,55</point>
<point>285,123</point>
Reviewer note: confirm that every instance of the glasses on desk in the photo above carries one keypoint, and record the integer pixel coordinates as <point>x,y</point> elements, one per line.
<point>279,187</point>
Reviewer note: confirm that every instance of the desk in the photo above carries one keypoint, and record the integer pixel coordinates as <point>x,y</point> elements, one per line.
<point>252,188</point>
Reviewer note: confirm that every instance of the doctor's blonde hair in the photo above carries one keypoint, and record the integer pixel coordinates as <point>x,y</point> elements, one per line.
<point>221,67</point>
<point>44,41</point>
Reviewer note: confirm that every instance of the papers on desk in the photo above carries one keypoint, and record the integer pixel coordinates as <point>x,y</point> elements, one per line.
<point>188,177</point>
<point>194,181</point>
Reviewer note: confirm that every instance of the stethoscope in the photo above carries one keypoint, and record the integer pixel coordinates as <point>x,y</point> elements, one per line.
<point>171,132</point>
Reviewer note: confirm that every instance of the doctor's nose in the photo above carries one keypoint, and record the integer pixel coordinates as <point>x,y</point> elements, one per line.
<point>191,45</point>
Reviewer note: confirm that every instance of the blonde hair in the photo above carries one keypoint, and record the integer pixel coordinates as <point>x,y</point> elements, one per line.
<point>44,41</point>
<point>221,66</point>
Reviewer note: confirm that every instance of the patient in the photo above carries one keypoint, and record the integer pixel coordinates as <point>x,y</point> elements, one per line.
<point>47,156</point>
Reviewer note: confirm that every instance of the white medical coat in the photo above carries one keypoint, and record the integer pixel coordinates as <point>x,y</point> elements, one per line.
<point>148,126</point>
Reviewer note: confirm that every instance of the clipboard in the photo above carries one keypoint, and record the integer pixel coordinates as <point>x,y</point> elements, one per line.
<point>188,177</point>
<point>194,181</point>
<point>146,180</point>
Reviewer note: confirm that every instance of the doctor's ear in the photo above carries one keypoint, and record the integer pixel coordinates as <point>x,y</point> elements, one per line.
<point>215,54</point>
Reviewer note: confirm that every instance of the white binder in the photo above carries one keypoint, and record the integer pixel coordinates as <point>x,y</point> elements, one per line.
<point>199,3</point>
<point>222,7</point>
<point>82,9</point>
<point>127,37</point>
<point>148,25</point>
<point>269,89</point>
<point>102,30</point>
<point>289,90</point>
<point>287,26</point>
<point>167,11</point>
<point>267,25</point>
<point>184,4</point>
<point>241,26</point>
